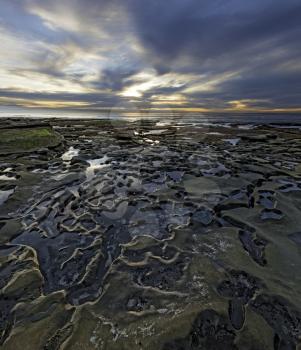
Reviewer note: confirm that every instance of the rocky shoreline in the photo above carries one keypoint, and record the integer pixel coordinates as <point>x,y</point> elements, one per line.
<point>149,235</point>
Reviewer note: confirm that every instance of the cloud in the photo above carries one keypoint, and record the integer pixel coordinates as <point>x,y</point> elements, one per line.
<point>166,54</point>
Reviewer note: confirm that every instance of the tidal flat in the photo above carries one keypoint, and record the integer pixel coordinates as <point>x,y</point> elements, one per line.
<point>118,235</point>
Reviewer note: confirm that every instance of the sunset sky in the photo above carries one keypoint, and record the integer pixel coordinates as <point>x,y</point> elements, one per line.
<point>193,55</point>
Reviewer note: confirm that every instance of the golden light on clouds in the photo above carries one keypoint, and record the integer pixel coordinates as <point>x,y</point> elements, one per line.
<point>149,80</point>
<point>53,104</point>
<point>204,83</point>
<point>239,105</point>
<point>174,100</point>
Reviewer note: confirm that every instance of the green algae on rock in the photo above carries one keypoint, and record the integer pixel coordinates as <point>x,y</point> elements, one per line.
<point>21,140</point>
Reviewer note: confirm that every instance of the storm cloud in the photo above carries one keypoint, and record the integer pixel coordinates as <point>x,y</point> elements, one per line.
<point>191,54</point>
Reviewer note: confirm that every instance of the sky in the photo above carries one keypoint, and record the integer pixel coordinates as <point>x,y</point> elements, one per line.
<point>161,55</point>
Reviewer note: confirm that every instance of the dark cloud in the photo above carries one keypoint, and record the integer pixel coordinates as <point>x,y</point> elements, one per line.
<point>173,30</point>
<point>107,99</point>
<point>113,79</point>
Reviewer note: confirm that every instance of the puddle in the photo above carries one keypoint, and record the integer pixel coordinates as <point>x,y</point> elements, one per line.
<point>271,214</point>
<point>4,195</point>
<point>246,127</point>
<point>7,178</point>
<point>233,142</point>
<point>153,142</point>
<point>96,164</point>
<point>175,175</point>
<point>163,123</point>
<point>154,221</point>
<point>71,153</point>
<point>118,213</point>
<point>295,237</point>
<point>60,177</point>
<point>155,132</point>
<point>153,187</point>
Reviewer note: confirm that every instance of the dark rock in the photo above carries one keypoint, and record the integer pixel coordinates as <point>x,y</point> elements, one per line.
<point>210,331</point>
<point>240,285</point>
<point>281,316</point>
<point>6,318</point>
<point>79,160</point>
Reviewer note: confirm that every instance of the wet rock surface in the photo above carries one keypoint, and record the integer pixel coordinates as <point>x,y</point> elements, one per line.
<point>133,235</point>
<point>209,331</point>
<point>282,317</point>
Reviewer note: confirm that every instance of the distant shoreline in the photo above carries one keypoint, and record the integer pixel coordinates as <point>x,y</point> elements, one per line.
<point>290,120</point>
